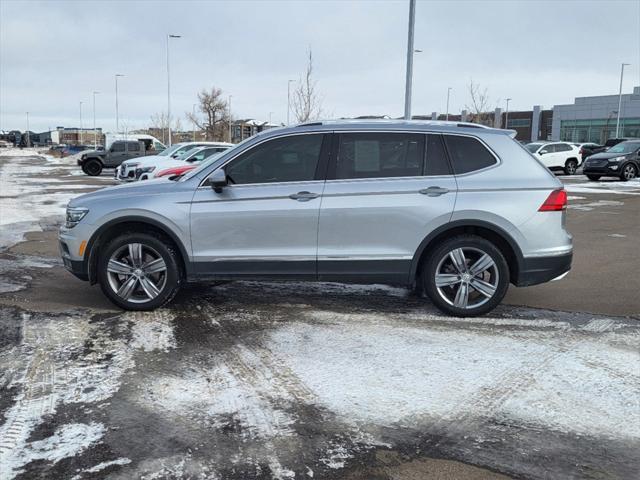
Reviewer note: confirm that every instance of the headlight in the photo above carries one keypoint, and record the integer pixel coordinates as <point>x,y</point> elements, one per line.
<point>74,215</point>
<point>617,159</point>
<point>146,169</point>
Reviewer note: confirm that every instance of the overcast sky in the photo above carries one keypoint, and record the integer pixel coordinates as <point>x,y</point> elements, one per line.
<point>54,54</point>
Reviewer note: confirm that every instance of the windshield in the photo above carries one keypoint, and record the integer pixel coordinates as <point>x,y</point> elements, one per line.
<point>624,147</point>
<point>187,152</point>
<point>532,147</point>
<point>169,150</point>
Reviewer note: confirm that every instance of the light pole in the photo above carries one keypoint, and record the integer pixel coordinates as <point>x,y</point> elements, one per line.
<point>28,135</point>
<point>229,113</point>
<point>81,138</point>
<point>193,121</point>
<point>506,115</point>
<point>620,99</point>
<point>117,126</point>
<point>448,94</point>
<point>169,37</point>
<point>95,137</point>
<point>407,91</point>
<point>270,113</point>
<point>289,99</point>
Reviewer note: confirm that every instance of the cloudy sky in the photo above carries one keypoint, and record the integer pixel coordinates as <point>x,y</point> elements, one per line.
<point>54,54</point>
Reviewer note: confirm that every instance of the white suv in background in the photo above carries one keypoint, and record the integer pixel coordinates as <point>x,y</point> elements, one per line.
<point>188,161</point>
<point>557,155</point>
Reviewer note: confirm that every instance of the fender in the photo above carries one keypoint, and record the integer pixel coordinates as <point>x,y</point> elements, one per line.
<point>464,223</point>
<point>90,257</point>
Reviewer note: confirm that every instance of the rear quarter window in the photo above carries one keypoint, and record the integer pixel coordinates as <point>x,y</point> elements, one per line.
<point>468,154</point>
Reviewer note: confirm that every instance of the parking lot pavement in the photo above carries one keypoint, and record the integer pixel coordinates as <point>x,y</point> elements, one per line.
<point>291,380</point>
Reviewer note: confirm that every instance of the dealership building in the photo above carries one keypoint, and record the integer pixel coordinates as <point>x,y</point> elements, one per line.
<point>593,119</point>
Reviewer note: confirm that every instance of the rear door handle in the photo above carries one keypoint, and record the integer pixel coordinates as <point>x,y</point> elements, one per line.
<point>303,196</point>
<point>434,191</point>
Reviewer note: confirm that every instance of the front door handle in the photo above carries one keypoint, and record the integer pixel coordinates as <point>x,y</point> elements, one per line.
<point>303,196</point>
<point>434,191</point>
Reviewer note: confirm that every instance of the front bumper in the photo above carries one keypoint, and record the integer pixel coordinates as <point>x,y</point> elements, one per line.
<point>536,270</point>
<point>69,246</point>
<point>601,168</point>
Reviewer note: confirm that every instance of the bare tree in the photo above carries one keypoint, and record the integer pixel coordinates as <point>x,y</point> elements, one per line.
<point>479,108</point>
<point>214,108</point>
<point>307,103</point>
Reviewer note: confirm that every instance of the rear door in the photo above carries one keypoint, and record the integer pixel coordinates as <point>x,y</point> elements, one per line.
<point>385,192</point>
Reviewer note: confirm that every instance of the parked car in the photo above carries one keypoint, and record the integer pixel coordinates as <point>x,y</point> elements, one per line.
<point>556,155</point>
<point>587,149</point>
<point>147,170</point>
<point>95,161</point>
<point>127,170</point>
<point>173,173</point>
<point>621,160</point>
<point>457,210</point>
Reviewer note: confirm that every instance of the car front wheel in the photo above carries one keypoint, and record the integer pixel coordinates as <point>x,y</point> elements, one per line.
<point>466,276</point>
<point>629,172</point>
<point>139,271</point>
<point>92,168</point>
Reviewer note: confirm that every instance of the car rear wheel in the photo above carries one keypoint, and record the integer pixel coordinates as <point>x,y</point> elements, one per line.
<point>92,167</point>
<point>139,271</point>
<point>570,167</point>
<point>594,178</point>
<point>629,172</point>
<point>466,276</point>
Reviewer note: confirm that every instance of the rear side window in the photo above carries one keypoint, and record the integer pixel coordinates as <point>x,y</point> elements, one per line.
<point>117,147</point>
<point>376,155</point>
<point>133,146</point>
<point>468,154</point>
<point>563,147</point>
<point>437,163</point>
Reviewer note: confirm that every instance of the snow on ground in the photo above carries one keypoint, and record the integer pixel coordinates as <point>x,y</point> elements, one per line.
<point>606,185</point>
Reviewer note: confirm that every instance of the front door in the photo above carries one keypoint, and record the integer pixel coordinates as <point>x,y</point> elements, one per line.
<point>265,222</point>
<point>380,200</point>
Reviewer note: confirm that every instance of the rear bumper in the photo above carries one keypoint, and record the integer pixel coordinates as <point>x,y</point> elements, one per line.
<point>536,270</point>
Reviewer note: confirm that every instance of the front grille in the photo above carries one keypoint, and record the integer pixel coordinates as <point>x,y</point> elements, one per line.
<point>597,163</point>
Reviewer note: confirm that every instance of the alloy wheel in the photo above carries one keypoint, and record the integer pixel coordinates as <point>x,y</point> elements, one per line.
<point>136,273</point>
<point>629,172</point>
<point>466,277</point>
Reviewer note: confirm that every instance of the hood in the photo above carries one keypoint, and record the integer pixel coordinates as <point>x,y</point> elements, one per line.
<point>148,187</point>
<point>606,155</point>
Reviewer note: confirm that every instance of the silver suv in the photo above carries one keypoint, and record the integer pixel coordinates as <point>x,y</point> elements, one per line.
<point>457,211</point>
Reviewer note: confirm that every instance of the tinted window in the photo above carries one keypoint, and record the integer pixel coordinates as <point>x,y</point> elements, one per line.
<point>133,146</point>
<point>563,147</point>
<point>373,155</point>
<point>548,149</point>
<point>287,159</point>
<point>468,154</point>
<point>117,147</point>
<point>437,163</point>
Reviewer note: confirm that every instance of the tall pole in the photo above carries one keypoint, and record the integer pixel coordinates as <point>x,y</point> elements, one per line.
<point>506,115</point>
<point>169,36</point>
<point>28,135</point>
<point>229,113</point>
<point>448,94</point>
<point>407,91</point>
<point>117,126</point>
<point>95,133</point>
<point>193,121</point>
<point>81,129</point>
<point>620,100</point>
<point>289,101</point>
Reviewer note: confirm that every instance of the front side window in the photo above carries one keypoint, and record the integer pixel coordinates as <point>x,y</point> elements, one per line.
<point>563,147</point>
<point>117,147</point>
<point>468,154</point>
<point>377,155</point>
<point>287,159</point>
<point>133,146</point>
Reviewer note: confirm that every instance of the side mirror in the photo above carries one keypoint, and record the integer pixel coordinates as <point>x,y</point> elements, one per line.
<point>218,180</point>
<point>542,152</point>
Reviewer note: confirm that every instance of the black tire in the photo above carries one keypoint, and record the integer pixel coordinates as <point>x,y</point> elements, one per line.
<point>628,172</point>
<point>593,178</point>
<point>570,167</point>
<point>152,247</point>
<point>498,277</point>
<point>92,167</point>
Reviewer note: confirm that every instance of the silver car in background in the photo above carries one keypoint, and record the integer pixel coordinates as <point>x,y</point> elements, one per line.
<point>456,210</point>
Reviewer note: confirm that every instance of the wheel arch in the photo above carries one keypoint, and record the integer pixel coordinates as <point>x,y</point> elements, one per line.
<point>130,224</point>
<point>495,234</point>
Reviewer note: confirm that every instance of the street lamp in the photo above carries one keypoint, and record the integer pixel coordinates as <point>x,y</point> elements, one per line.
<point>270,113</point>
<point>289,99</point>
<point>448,94</point>
<point>193,121</point>
<point>81,138</point>
<point>95,137</point>
<point>169,37</point>
<point>409,79</point>
<point>229,107</point>
<point>117,126</point>
<point>506,115</point>
<point>620,99</point>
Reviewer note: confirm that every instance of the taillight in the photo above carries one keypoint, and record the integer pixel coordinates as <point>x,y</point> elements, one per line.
<point>555,202</point>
